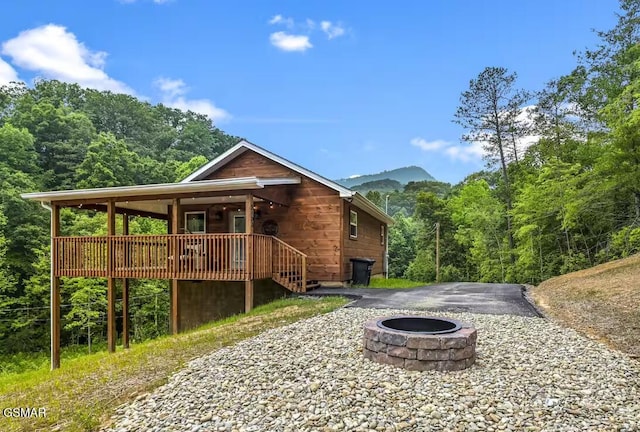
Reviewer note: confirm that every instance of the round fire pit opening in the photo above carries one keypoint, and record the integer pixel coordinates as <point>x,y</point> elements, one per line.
<point>421,324</point>
<point>420,343</point>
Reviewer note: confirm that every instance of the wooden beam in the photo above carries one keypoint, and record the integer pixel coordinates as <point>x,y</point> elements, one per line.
<point>248,295</point>
<point>123,211</point>
<point>111,286</point>
<point>175,229</point>
<point>55,290</point>
<point>125,288</point>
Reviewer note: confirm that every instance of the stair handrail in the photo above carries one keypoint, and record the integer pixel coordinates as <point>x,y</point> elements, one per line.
<point>289,246</point>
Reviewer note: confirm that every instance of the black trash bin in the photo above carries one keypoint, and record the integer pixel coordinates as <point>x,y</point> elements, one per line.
<point>361,270</point>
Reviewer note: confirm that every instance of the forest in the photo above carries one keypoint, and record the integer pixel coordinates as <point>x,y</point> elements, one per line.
<point>59,136</point>
<point>568,201</point>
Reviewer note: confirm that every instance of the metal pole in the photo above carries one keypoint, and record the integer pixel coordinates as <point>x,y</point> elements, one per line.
<point>386,204</point>
<point>437,251</point>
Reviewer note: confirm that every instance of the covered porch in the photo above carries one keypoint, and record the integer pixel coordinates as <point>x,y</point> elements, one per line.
<point>218,243</point>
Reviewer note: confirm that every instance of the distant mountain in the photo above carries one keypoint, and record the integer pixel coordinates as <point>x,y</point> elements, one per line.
<point>385,185</point>
<point>401,175</point>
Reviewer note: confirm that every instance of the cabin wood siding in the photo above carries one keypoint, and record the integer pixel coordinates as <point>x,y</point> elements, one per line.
<point>250,164</point>
<point>310,223</point>
<point>366,245</point>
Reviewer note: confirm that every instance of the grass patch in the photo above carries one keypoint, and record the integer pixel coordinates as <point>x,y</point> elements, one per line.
<point>24,362</point>
<point>394,283</point>
<point>602,302</point>
<point>81,395</point>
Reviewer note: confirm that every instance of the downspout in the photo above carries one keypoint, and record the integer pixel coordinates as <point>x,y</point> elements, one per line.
<point>48,207</point>
<point>386,252</point>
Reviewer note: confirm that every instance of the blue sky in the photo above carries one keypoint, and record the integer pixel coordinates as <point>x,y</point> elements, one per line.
<point>340,87</point>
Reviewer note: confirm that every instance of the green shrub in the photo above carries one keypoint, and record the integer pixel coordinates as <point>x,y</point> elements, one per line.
<point>422,268</point>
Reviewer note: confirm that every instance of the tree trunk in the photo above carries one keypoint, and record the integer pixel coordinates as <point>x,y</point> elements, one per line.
<point>505,177</point>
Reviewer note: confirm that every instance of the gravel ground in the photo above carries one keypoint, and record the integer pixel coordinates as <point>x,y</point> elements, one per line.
<point>531,375</point>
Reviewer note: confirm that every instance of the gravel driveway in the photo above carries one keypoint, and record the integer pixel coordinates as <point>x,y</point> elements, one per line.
<point>531,375</point>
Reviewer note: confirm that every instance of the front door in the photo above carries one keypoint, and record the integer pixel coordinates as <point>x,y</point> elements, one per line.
<point>238,226</point>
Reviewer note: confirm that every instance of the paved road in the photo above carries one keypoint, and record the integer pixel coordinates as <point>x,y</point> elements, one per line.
<point>501,299</point>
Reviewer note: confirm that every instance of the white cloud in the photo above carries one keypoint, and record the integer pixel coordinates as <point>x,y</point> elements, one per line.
<point>465,153</point>
<point>332,30</point>
<point>173,95</point>
<point>171,88</point>
<point>353,176</point>
<point>290,42</point>
<point>287,41</point>
<point>429,145</point>
<point>7,73</point>
<point>474,151</point>
<point>56,53</point>
<point>279,19</point>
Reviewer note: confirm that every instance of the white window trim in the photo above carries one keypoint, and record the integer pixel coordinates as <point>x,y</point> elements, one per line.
<point>186,216</point>
<point>351,224</point>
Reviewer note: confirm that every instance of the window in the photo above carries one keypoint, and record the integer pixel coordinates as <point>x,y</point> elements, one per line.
<point>382,235</point>
<point>195,222</point>
<point>353,224</point>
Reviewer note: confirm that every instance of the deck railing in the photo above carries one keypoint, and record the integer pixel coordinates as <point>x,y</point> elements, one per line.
<point>231,257</point>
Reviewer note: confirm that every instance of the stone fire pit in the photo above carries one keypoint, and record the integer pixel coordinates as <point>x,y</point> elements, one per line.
<point>420,343</point>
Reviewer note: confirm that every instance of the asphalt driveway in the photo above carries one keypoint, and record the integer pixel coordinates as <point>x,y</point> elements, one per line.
<point>499,299</point>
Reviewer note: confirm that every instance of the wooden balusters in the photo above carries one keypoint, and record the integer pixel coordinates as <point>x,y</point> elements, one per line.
<point>182,256</point>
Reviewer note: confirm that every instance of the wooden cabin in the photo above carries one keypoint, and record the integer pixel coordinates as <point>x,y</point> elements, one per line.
<point>243,229</point>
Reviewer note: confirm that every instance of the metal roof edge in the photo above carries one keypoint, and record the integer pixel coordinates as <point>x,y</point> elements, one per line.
<point>362,202</point>
<point>144,190</point>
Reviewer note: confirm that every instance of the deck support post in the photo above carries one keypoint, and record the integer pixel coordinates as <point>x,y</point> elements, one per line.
<point>248,211</point>
<point>125,287</point>
<point>111,285</point>
<point>55,289</point>
<point>175,229</point>
<point>248,295</point>
<point>248,285</point>
<point>248,229</point>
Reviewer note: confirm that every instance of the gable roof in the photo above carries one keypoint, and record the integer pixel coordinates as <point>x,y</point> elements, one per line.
<point>243,146</point>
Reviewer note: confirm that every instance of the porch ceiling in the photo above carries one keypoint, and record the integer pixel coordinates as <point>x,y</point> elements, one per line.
<point>161,206</point>
<point>155,198</point>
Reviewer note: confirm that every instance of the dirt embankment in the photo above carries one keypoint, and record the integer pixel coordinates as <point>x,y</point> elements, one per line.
<point>602,302</point>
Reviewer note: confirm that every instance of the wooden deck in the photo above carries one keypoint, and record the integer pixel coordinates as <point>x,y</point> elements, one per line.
<point>225,257</point>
